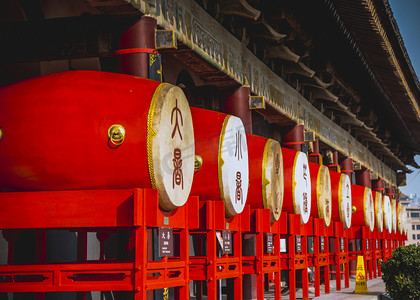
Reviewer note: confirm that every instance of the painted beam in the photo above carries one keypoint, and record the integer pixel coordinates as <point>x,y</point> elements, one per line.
<point>206,37</point>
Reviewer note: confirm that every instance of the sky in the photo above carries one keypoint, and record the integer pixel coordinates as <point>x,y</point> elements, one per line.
<point>407,15</point>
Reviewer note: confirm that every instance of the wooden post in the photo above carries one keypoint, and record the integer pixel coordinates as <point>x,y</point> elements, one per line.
<point>135,45</point>
<point>237,104</point>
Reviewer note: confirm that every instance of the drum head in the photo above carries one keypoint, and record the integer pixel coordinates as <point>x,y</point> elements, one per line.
<point>369,210</point>
<point>344,200</point>
<point>404,220</point>
<point>301,187</point>
<point>323,195</point>
<point>379,211</point>
<point>400,217</point>
<point>170,146</point>
<point>394,214</point>
<point>273,178</point>
<point>387,214</point>
<point>233,165</point>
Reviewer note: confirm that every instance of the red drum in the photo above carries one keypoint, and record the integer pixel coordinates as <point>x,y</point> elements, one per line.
<point>401,218</point>
<point>96,130</point>
<point>341,198</point>
<point>363,203</point>
<point>321,193</point>
<point>394,214</point>
<point>266,175</point>
<point>221,144</point>
<point>379,210</point>
<point>387,213</point>
<point>297,184</point>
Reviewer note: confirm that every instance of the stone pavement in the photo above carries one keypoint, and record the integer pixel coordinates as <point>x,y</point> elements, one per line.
<point>376,288</point>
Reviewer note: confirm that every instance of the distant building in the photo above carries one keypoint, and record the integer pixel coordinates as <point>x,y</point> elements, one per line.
<point>413,219</point>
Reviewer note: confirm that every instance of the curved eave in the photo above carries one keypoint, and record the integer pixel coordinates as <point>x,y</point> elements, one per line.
<point>379,40</point>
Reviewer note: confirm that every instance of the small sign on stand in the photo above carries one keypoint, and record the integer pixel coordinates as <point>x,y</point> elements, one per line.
<point>227,242</point>
<point>166,242</point>
<point>321,244</point>
<point>298,244</point>
<point>268,245</point>
<point>341,244</point>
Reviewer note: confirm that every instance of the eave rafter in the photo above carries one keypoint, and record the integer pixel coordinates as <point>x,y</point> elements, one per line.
<point>277,64</point>
<point>388,47</point>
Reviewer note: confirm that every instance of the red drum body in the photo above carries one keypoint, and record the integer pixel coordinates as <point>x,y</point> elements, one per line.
<point>297,184</point>
<point>341,198</point>
<point>379,210</point>
<point>96,130</point>
<point>221,144</point>
<point>266,186</point>
<point>321,193</point>
<point>387,213</point>
<point>362,200</point>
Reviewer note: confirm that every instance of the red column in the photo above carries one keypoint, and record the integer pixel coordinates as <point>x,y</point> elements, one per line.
<point>334,166</point>
<point>140,36</point>
<point>347,166</point>
<point>293,137</point>
<point>315,157</point>
<point>363,178</point>
<point>237,104</point>
<point>378,185</point>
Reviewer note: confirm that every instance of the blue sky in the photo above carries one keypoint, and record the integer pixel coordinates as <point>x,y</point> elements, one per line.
<point>407,15</point>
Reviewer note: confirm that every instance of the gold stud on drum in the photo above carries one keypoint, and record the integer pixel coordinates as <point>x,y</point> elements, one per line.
<point>1,133</point>
<point>198,163</point>
<point>353,209</point>
<point>116,134</point>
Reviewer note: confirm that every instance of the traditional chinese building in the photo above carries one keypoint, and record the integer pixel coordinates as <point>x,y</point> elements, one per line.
<point>340,68</point>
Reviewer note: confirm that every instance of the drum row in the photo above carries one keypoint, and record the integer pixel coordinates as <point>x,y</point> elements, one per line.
<point>97,130</point>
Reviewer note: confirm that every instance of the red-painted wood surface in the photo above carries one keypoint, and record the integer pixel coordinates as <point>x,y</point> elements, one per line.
<point>137,209</point>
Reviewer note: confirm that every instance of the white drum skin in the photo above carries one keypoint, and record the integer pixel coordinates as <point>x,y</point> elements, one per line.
<point>401,218</point>
<point>387,213</point>
<point>172,151</point>
<point>379,211</point>
<point>233,166</point>
<point>394,214</point>
<point>273,173</point>
<point>369,209</point>
<point>321,193</point>
<point>341,198</point>
<point>297,184</point>
<point>346,201</point>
